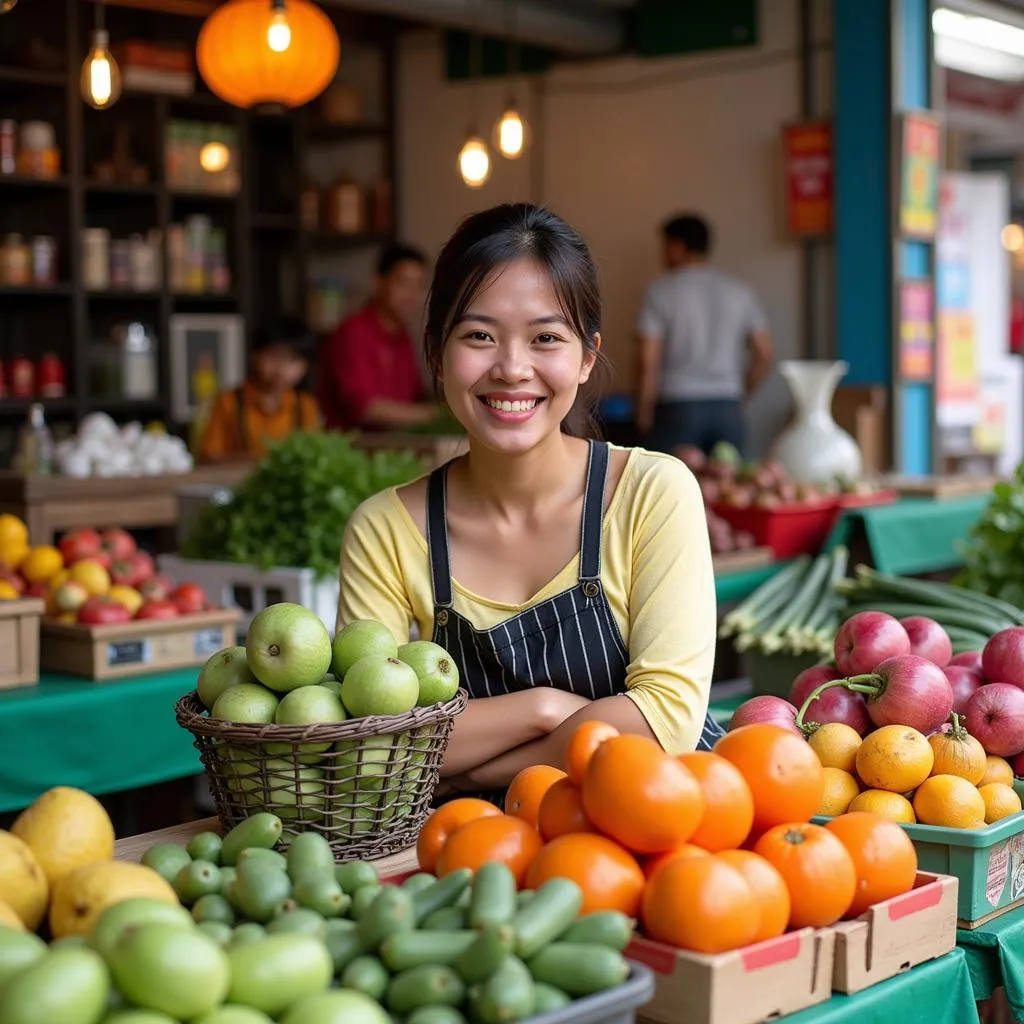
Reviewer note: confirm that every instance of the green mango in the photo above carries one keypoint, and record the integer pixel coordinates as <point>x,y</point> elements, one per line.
<point>338,1007</point>
<point>166,859</point>
<point>248,932</point>
<point>272,974</point>
<point>320,892</point>
<point>260,890</point>
<point>220,932</point>
<point>262,829</point>
<point>269,857</point>
<point>18,951</point>
<point>70,985</point>
<point>205,846</point>
<point>196,879</point>
<point>118,918</point>
<point>234,1015</point>
<point>299,921</point>
<point>213,907</point>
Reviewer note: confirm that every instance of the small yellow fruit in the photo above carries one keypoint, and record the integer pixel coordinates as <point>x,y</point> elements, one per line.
<point>896,758</point>
<point>41,564</point>
<point>128,596</point>
<point>1000,801</point>
<point>9,919</point>
<point>890,806</point>
<point>839,790</point>
<point>23,884</point>
<point>13,531</point>
<point>81,896</point>
<point>7,592</point>
<point>65,828</point>
<point>997,770</point>
<point>59,580</point>
<point>836,745</point>
<point>949,801</point>
<point>93,576</point>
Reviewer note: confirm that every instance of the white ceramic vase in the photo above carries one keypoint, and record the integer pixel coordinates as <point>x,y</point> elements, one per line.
<point>814,448</point>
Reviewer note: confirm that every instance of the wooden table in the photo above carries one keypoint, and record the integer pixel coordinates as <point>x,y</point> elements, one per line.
<point>133,847</point>
<point>434,448</point>
<point>53,504</point>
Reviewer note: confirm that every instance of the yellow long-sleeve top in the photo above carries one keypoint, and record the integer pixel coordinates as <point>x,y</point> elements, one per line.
<point>655,568</point>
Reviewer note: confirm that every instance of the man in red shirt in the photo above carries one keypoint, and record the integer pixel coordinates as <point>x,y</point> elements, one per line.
<point>370,378</point>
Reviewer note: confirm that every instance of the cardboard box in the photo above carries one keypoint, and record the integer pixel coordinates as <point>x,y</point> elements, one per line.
<point>136,647</point>
<point>19,642</point>
<point>745,986</point>
<point>897,934</point>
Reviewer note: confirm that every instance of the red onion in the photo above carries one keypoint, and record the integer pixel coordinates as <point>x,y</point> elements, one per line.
<point>765,709</point>
<point>834,705</point>
<point>964,681</point>
<point>928,639</point>
<point>867,639</point>
<point>1003,657</point>
<point>995,717</point>
<point>1017,764</point>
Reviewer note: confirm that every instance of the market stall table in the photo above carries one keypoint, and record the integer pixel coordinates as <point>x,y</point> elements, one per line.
<point>995,958</point>
<point>913,535</point>
<point>100,737</point>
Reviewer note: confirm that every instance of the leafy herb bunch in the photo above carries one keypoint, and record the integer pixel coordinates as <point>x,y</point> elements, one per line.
<point>994,552</point>
<point>292,509</point>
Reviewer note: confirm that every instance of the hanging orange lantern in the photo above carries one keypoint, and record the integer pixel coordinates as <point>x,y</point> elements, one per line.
<point>267,51</point>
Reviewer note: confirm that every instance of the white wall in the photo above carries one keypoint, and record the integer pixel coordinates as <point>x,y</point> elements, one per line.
<point>618,145</point>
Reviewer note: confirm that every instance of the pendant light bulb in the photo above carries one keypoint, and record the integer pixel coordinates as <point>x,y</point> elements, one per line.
<point>7,5</point>
<point>510,134</point>
<point>101,77</point>
<point>213,157</point>
<point>279,32</point>
<point>474,162</point>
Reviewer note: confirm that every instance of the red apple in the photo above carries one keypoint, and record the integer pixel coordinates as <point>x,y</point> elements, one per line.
<point>1002,661</point>
<point>156,588</point>
<point>123,572</point>
<point>118,544</point>
<point>995,717</point>
<point>157,610</point>
<point>928,639</point>
<point>964,681</point>
<point>867,639</point>
<point>189,598</point>
<point>142,562</point>
<point>102,611</point>
<point>79,544</point>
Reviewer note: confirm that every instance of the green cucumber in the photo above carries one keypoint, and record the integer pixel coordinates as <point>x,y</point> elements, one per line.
<point>548,999</point>
<point>404,950</point>
<point>546,916</point>
<point>579,968</point>
<point>355,874</point>
<point>261,829</point>
<point>507,995</point>
<point>362,899</point>
<point>494,896</point>
<point>447,919</point>
<point>343,943</point>
<point>390,913</point>
<point>609,928</point>
<point>366,974</point>
<point>440,893</point>
<point>431,985</point>
<point>271,857</point>
<point>421,880</point>
<point>489,950</point>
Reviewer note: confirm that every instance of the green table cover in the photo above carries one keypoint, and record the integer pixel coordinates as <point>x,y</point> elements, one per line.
<point>735,586</point>
<point>938,992</point>
<point>995,957</point>
<point>100,737</point>
<point>914,535</point>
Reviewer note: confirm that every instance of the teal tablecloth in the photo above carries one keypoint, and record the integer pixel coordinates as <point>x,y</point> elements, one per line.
<point>100,737</point>
<point>938,992</point>
<point>914,535</point>
<point>995,958</point>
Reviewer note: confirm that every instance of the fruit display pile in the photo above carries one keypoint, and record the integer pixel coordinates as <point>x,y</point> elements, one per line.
<point>709,851</point>
<point>91,577</point>
<point>907,729</point>
<point>291,673</point>
<point>243,934</point>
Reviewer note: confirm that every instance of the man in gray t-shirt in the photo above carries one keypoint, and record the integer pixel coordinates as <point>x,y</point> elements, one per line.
<point>703,346</point>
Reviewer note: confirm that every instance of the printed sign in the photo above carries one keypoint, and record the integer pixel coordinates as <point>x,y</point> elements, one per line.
<point>919,175</point>
<point>807,150</point>
<point>917,331</point>
<point>129,652</point>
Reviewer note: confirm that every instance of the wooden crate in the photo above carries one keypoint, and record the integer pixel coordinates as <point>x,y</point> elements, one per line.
<point>134,648</point>
<point>19,642</point>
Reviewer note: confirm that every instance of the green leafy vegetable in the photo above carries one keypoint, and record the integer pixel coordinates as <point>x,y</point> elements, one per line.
<point>292,509</point>
<point>994,552</point>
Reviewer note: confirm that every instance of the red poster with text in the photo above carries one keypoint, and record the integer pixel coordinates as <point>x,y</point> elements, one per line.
<point>807,150</point>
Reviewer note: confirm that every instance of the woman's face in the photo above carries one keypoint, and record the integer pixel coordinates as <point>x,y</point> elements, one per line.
<point>512,364</point>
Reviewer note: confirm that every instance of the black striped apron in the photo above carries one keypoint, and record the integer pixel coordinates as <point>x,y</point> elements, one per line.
<point>570,641</point>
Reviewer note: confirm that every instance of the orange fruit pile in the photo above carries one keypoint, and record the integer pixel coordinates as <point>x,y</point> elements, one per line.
<point>709,850</point>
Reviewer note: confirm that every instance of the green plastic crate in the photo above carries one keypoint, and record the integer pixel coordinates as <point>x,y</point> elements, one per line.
<point>989,862</point>
<point>774,673</point>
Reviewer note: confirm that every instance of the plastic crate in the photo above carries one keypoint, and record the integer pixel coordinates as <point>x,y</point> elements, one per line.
<point>233,585</point>
<point>988,862</point>
<point>774,674</point>
<point>800,528</point>
<point>616,1006</point>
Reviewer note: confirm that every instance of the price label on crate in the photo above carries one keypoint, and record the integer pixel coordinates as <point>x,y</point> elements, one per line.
<point>207,641</point>
<point>129,652</point>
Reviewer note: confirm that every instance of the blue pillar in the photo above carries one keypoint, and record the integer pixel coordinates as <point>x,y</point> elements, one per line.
<point>882,65</point>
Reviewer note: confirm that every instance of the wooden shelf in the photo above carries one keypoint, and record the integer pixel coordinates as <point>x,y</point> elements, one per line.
<point>275,222</point>
<point>21,406</point>
<point>35,290</point>
<point>205,298</point>
<point>29,76</point>
<point>333,240</point>
<point>336,133</point>
<point>122,295</point>
<point>115,188</point>
<point>25,181</point>
<point>199,196</point>
<point>127,405</point>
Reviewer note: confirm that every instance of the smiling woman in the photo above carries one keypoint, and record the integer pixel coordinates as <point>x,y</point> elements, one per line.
<point>570,579</point>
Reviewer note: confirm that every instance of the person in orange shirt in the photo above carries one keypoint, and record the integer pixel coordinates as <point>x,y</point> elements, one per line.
<point>269,405</point>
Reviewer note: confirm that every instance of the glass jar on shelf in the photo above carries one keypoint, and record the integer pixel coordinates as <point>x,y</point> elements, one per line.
<point>38,156</point>
<point>15,261</point>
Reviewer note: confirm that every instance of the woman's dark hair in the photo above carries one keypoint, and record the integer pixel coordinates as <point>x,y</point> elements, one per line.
<point>519,231</point>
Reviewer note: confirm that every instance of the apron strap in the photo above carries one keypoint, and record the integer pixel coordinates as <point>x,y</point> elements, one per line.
<point>593,512</point>
<point>437,537</point>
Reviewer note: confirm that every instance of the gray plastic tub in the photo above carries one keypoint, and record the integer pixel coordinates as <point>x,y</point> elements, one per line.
<point>616,1006</point>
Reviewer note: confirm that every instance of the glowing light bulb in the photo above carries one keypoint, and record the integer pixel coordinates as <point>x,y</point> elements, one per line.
<point>7,5</point>
<point>474,162</point>
<point>101,77</point>
<point>279,32</point>
<point>1012,237</point>
<point>510,134</point>
<point>213,157</point>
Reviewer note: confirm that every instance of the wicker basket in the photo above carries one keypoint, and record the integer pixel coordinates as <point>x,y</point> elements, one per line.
<point>366,784</point>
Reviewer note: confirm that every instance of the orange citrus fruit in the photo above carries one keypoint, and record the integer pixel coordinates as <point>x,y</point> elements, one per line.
<point>1000,801</point>
<point>840,789</point>
<point>41,564</point>
<point>949,801</point>
<point>527,789</point>
<point>891,806</point>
